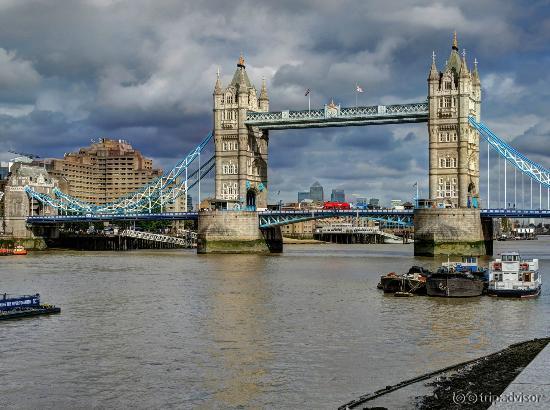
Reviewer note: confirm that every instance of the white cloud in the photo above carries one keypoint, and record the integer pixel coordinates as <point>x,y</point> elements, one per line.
<point>15,110</point>
<point>500,86</point>
<point>16,73</point>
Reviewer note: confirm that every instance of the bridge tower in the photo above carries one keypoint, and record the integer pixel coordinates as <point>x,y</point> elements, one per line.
<point>454,224</point>
<point>241,172</point>
<point>453,95</point>
<point>241,151</point>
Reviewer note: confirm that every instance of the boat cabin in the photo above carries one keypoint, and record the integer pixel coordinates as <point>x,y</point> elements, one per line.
<point>510,267</point>
<point>467,264</point>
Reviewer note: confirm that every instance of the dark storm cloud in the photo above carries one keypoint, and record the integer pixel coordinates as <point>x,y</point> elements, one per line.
<point>144,71</point>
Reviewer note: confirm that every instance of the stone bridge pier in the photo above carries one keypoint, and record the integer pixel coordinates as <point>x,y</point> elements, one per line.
<point>236,232</point>
<point>459,231</point>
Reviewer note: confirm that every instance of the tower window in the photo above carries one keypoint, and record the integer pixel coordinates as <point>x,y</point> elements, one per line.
<point>447,162</point>
<point>229,168</point>
<point>447,85</point>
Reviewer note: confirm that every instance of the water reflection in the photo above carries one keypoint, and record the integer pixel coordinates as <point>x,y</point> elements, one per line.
<point>237,321</point>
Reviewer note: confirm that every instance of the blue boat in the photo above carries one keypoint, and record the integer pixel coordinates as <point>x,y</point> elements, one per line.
<point>9,302</point>
<point>15,307</point>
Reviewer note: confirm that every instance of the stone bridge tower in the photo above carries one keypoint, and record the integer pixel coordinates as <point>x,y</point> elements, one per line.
<point>241,151</point>
<point>453,95</point>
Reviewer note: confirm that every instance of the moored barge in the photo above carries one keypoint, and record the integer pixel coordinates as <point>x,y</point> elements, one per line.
<point>451,284</point>
<point>414,281</point>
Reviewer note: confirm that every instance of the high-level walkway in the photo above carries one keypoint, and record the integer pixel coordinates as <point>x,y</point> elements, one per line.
<point>334,116</point>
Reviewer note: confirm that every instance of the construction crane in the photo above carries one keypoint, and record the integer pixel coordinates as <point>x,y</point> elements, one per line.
<point>25,154</point>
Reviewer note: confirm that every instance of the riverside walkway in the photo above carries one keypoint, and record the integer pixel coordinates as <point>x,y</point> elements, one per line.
<point>531,388</point>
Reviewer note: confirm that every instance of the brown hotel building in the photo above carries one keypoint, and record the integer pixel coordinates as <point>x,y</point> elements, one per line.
<point>103,172</point>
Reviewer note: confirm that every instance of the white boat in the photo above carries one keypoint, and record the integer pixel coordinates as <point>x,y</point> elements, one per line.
<point>511,276</point>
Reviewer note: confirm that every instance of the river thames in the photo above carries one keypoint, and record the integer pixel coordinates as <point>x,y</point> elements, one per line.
<point>304,329</point>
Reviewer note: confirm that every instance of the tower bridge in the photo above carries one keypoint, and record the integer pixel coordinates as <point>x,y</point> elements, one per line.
<point>242,122</point>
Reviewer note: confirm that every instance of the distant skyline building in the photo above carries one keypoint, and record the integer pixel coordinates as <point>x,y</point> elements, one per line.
<point>316,192</point>
<point>338,195</point>
<point>374,202</point>
<point>361,201</point>
<point>102,172</point>
<point>303,195</point>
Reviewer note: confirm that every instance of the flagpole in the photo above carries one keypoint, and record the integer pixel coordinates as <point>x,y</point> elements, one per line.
<point>309,102</point>
<point>356,93</point>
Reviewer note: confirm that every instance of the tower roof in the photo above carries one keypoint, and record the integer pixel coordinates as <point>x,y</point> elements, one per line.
<point>454,63</point>
<point>240,75</point>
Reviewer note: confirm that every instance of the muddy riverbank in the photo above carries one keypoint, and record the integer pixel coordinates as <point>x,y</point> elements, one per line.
<point>474,384</point>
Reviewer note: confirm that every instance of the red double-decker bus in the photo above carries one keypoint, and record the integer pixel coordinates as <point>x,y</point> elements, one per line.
<point>336,205</point>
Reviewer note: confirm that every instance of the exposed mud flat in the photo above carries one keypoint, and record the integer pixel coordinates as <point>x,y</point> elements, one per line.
<point>473,384</point>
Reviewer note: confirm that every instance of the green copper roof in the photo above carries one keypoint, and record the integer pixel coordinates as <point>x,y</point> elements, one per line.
<point>454,63</point>
<point>237,78</point>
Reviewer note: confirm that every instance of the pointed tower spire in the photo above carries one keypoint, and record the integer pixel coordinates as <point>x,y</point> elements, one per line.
<point>218,86</point>
<point>455,42</point>
<point>241,61</point>
<point>454,63</point>
<point>464,67</point>
<point>475,74</point>
<point>434,74</point>
<point>263,91</point>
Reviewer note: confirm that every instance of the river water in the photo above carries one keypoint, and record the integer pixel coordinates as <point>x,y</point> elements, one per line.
<point>304,329</point>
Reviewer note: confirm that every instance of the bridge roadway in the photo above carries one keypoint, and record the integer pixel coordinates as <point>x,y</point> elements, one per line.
<point>275,218</point>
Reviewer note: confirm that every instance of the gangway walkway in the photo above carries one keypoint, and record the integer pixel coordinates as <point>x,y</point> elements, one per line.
<point>188,241</point>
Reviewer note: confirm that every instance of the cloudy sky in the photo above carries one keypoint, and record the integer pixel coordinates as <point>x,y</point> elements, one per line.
<point>75,70</point>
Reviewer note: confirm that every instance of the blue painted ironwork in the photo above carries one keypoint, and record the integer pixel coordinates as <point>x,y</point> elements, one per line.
<point>334,116</point>
<point>278,218</point>
<point>270,219</point>
<point>515,213</point>
<point>530,168</point>
<point>158,193</point>
<point>160,216</point>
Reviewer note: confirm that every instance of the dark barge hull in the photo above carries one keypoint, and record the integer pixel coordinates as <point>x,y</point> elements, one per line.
<point>454,287</point>
<point>390,284</point>
<point>18,314</point>
<point>400,284</point>
<point>514,293</point>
